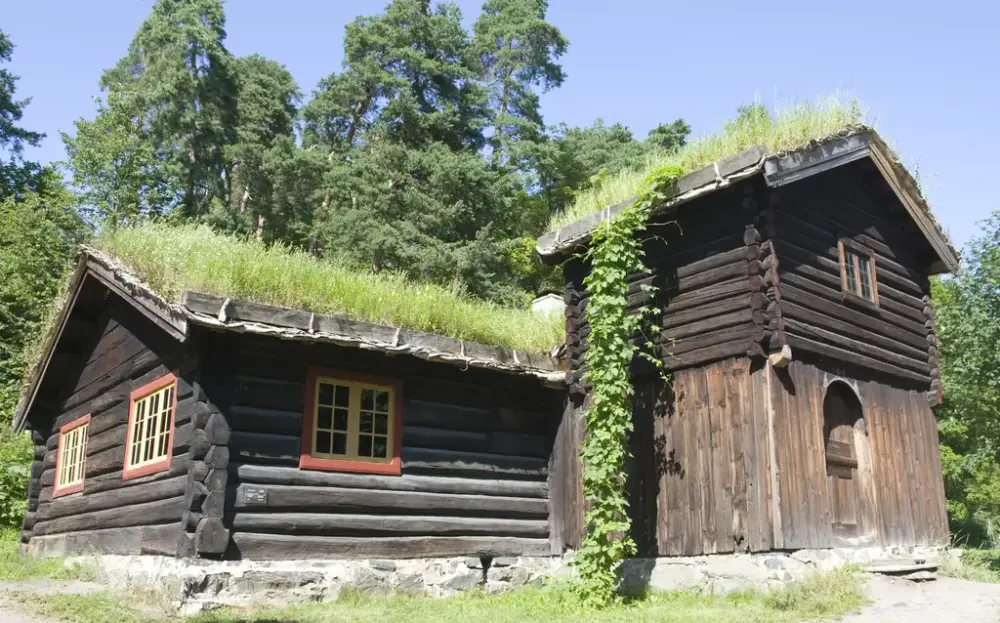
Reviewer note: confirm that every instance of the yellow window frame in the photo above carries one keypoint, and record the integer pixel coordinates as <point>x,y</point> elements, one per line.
<point>71,459</point>
<point>149,442</point>
<point>314,457</point>
<point>353,430</point>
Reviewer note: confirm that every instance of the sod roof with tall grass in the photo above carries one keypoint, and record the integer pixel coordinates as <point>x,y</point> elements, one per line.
<point>173,259</point>
<point>780,130</point>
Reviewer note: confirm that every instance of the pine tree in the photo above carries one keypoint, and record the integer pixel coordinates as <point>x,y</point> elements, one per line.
<point>169,113</point>
<point>264,138</point>
<point>401,126</point>
<point>408,77</point>
<point>669,136</point>
<point>16,174</point>
<point>518,51</point>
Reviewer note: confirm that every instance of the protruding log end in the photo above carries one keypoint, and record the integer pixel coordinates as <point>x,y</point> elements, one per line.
<point>781,358</point>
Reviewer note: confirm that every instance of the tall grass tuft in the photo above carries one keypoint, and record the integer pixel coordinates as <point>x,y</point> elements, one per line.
<point>172,259</point>
<point>784,129</point>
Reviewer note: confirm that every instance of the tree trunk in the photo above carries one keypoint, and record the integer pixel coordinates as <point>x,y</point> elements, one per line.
<point>192,157</point>
<point>244,200</point>
<point>498,129</point>
<point>260,228</point>
<point>359,110</point>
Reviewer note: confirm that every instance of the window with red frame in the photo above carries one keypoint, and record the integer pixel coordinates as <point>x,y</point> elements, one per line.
<point>352,423</point>
<point>71,457</point>
<point>151,428</point>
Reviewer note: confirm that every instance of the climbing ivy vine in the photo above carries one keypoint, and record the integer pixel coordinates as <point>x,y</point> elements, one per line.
<point>615,252</point>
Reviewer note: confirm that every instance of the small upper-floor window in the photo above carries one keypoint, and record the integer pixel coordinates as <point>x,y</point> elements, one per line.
<point>71,457</point>
<point>351,423</point>
<point>150,428</point>
<point>857,270</point>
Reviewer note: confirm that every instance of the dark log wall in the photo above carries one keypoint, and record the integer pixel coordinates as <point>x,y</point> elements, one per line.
<point>126,351</point>
<point>908,506</point>
<point>476,448</point>
<point>896,338</point>
<point>708,263</point>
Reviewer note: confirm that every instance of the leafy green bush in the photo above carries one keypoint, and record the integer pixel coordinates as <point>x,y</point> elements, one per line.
<point>15,463</point>
<point>967,308</point>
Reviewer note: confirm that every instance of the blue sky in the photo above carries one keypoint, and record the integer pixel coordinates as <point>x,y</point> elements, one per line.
<point>929,72</point>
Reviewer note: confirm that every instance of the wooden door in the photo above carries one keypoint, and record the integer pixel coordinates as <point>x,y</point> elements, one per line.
<point>848,472</point>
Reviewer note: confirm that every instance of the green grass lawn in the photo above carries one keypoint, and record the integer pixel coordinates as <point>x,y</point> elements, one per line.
<point>821,597</point>
<point>977,565</point>
<point>17,568</point>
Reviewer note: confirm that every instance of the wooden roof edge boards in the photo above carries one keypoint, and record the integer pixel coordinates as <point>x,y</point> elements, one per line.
<point>705,180</point>
<point>244,316</point>
<point>116,278</point>
<point>120,280</point>
<point>908,192</point>
<point>793,166</point>
<point>784,169</point>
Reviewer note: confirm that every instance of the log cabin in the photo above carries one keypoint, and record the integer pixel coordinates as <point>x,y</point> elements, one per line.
<point>798,335</point>
<point>223,428</point>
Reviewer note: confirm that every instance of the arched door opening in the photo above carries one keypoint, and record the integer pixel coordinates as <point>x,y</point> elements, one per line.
<point>848,462</point>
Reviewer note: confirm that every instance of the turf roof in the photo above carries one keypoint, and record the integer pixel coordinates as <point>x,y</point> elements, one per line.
<point>174,259</point>
<point>780,130</point>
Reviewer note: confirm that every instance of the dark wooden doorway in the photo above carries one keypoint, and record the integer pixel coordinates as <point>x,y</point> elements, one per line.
<point>848,463</point>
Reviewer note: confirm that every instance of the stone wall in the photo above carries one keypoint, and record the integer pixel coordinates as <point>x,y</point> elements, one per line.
<point>197,584</point>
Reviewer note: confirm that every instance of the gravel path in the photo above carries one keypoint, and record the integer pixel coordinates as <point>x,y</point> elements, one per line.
<point>10,612</point>
<point>944,599</point>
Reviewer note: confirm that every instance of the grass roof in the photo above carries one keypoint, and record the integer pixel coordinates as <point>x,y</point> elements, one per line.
<point>172,259</point>
<point>780,130</point>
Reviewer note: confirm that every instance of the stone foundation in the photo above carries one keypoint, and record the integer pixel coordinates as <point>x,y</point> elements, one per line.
<point>193,585</point>
<point>722,573</point>
<point>196,584</point>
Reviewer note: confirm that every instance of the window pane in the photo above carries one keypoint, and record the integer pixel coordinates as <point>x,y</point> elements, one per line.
<point>382,402</point>
<point>340,419</point>
<point>367,399</point>
<point>343,396</point>
<point>381,448</point>
<point>866,278</point>
<point>340,443</point>
<point>852,276</point>
<point>366,422</point>
<point>325,394</point>
<point>324,418</point>
<point>323,444</point>
<point>364,445</point>
<point>381,424</point>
